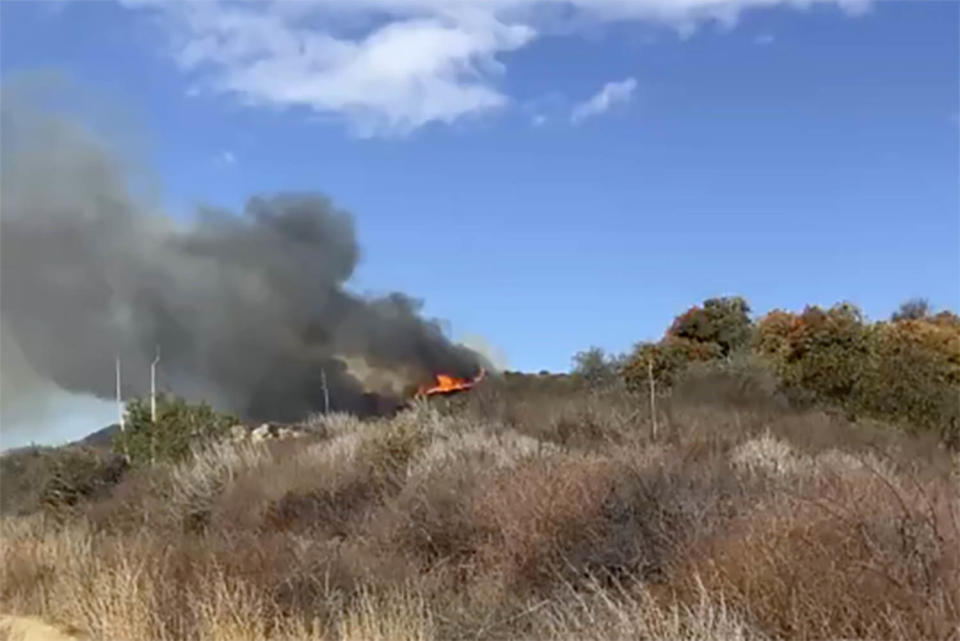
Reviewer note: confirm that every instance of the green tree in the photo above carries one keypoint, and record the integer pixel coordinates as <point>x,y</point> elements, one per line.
<point>179,425</point>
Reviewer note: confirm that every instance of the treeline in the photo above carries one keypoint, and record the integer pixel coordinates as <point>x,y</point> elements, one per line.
<point>905,370</point>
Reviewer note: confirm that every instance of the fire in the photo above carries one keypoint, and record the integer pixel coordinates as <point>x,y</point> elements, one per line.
<point>445,384</point>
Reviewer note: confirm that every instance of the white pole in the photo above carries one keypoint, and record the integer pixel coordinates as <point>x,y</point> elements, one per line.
<point>326,392</point>
<point>153,386</point>
<point>123,424</point>
<point>120,399</point>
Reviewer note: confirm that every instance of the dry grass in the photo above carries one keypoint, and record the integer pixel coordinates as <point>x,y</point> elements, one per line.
<point>741,520</point>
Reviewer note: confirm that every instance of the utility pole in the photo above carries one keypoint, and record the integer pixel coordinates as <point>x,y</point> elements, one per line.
<point>326,392</point>
<point>123,423</point>
<point>153,386</point>
<point>120,399</point>
<point>153,406</point>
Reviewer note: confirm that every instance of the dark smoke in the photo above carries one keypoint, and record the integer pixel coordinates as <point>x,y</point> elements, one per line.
<point>249,311</point>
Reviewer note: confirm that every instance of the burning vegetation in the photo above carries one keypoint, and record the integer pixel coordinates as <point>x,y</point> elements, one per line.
<point>447,384</point>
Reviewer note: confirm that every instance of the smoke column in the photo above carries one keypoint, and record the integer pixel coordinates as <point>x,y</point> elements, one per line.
<point>248,309</point>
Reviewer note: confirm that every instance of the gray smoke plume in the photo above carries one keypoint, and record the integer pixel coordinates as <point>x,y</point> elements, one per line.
<point>249,311</point>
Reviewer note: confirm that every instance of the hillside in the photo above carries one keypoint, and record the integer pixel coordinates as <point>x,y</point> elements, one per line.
<point>530,507</point>
<point>790,476</point>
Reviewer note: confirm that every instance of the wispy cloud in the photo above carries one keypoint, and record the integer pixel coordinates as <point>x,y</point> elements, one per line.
<point>613,93</point>
<point>392,66</point>
<point>227,157</point>
<point>764,39</point>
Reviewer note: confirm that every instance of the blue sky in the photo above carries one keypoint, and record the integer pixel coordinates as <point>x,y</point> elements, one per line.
<point>552,177</point>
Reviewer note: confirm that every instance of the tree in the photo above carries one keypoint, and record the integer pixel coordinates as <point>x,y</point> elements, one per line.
<point>913,309</point>
<point>914,375</point>
<point>179,425</point>
<point>595,367</point>
<point>722,321</point>
<point>823,352</point>
<point>668,358</point>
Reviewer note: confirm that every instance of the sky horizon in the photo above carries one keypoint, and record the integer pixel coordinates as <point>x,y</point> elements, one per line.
<point>548,176</point>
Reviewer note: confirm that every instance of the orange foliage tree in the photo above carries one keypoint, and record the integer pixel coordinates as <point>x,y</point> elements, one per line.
<point>906,370</point>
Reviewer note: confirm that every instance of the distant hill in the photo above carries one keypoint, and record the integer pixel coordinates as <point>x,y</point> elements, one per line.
<point>101,438</point>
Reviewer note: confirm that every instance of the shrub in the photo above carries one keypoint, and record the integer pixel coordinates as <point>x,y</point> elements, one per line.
<point>37,478</point>
<point>179,427</point>
<point>80,473</point>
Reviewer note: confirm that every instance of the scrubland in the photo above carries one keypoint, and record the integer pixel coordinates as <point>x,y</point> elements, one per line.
<point>524,509</point>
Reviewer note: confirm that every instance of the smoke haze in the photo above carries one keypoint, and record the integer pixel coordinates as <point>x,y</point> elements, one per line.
<point>249,311</point>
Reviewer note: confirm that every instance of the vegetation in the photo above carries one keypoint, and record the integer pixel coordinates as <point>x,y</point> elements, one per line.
<point>543,506</point>
<point>905,371</point>
<point>37,478</point>
<point>595,368</point>
<point>179,427</point>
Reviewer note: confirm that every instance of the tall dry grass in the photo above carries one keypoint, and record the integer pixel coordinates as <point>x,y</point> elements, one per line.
<point>740,520</point>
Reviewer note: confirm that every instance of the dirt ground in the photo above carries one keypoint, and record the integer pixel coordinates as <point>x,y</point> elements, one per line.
<point>14,628</point>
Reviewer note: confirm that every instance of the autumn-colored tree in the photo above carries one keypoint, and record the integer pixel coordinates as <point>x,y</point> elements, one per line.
<point>913,375</point>
<point>724,322</point>
<point>906,370</point>
<point>823,352</point>
<point>669,358</point>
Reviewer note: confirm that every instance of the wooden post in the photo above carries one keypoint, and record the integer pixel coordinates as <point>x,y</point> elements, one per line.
<point>653,396</point>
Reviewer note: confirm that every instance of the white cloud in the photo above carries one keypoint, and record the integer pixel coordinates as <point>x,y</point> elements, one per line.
<point>538,120</point>
<point>391,66</point>
<point>613,93</point>
<point>227,157</point>
<point>765,39</point>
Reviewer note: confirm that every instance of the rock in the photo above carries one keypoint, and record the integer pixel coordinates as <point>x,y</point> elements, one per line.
<point>261,433</point>
<point>238,433</point>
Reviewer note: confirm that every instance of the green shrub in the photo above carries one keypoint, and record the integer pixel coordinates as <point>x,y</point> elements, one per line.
<point>178,427</point>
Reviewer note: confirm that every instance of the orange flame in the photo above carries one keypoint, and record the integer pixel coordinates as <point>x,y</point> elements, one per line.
<point>445,384</point>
